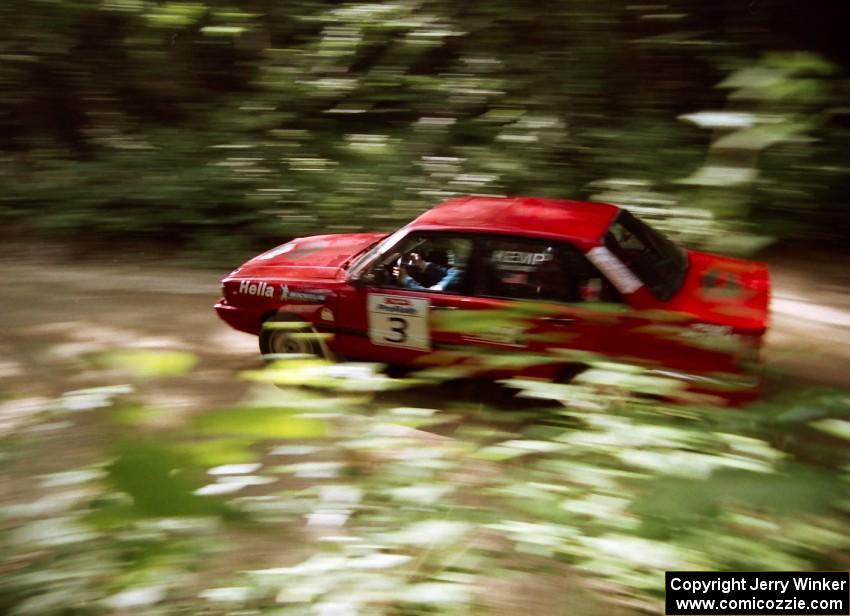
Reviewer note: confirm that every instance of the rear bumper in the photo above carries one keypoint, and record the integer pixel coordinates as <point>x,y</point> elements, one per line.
<point>248,321</point>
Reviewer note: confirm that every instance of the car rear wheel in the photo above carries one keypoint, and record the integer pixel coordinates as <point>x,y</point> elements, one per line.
<point>285,334</point>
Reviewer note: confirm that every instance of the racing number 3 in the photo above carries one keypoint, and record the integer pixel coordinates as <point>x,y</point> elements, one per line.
<point>399,328</point>
<point>399,321</point>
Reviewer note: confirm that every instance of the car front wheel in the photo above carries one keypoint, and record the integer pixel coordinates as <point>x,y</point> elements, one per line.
<point>284,334</point>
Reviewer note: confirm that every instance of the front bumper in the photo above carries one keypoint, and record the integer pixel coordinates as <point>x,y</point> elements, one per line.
<point>248,321</point>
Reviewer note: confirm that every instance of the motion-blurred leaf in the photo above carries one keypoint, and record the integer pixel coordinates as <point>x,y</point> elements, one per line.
<point>261,423</point>
<point>159,481</point>
<point>146,363</point>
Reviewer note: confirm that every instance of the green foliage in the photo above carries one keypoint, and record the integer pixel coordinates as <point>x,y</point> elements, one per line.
<point>258,422</point>
<point>145,363</point>
<point>154,478</point>
<point>226,125</point>
<point>389,508</point>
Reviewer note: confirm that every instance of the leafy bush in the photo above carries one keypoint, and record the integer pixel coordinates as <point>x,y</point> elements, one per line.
<point>572,498</point>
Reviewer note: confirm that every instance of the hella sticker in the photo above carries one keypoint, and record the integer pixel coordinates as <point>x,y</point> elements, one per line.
<point>260,289</point>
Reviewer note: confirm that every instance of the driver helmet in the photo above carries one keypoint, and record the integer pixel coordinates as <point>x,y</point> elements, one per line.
<point>438,256</point>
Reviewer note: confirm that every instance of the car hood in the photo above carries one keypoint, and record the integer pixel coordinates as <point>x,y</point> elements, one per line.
<point>725,290</point>
<point>308,258</point>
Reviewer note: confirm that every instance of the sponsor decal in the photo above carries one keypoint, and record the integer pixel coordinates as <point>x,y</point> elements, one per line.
<point>507,335</point>
<point>718,283</point>
<point>392,308</point>
<point>397,321</point>
<point>312,297</point>
<point>260,289</point>
<point>614,270</point>
<point>709,328</point>
<point>517,257</point>
<point>326,314</point>
<point>714,337</point>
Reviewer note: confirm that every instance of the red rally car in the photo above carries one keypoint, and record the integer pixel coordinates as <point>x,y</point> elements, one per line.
<point>381,295</point>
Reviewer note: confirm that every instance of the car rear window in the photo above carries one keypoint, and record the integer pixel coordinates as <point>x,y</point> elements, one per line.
<point>659,263</point>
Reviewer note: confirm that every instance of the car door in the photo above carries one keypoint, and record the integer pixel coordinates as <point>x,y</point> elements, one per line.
<point>531,288</point>
<point>560,300</point>
<point>387,314</point>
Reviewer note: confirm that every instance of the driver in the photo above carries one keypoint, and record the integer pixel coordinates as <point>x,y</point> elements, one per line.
<point>432,271</point>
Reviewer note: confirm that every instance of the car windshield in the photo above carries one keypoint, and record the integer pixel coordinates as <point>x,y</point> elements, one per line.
<point>365,259</point>
<point>659,263</point>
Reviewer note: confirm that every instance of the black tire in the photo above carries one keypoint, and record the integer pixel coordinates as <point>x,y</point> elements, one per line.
<point>291,340</point>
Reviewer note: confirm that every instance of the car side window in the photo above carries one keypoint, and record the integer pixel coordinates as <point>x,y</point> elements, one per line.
<point>540,270</point>
<point>426,261</point>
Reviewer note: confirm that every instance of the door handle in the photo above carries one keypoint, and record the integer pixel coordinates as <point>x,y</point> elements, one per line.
<point>559,320</point>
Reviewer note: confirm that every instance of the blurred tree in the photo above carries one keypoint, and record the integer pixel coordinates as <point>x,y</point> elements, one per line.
<point>227,123</point>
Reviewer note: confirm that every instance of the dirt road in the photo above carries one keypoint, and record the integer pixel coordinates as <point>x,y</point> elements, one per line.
<point>810,309</point>
<point>58,315</point>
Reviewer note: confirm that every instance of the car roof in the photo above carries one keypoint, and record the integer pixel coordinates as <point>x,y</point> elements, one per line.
<point>530,216</point>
